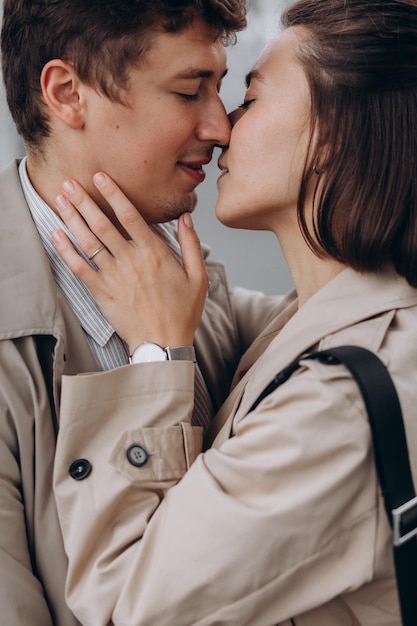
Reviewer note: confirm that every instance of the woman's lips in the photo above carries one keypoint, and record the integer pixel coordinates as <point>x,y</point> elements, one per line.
<point>224,171</point>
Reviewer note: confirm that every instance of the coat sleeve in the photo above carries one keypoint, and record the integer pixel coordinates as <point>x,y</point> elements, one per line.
<point>277,521</point>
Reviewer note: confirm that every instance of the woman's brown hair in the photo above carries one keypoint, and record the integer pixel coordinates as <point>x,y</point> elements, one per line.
<point>360,58</point>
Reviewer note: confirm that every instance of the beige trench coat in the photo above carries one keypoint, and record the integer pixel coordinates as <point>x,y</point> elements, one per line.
<point>40,340</point>
<point>281,521</point>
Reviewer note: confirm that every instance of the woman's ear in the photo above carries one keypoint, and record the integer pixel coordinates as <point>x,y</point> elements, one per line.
<point>62,92</point>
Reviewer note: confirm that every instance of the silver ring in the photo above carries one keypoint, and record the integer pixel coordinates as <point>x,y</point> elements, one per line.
<point>97,251</point>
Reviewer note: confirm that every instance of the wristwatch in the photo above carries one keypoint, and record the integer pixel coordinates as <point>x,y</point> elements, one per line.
<point>148,352</point>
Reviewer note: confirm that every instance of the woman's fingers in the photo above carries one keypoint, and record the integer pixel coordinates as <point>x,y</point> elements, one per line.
<point>87,221</point>
<point>192,256</point>
<point>89,224</point>
<point>76,263</point>
<point>86,239</point>
<point>126,213</point>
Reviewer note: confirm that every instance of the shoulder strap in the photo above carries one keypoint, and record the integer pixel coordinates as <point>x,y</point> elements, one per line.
<point>391,457</point>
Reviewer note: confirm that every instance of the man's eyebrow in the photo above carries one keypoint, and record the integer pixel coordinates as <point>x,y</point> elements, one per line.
<point>193,73</point>
<point>254,74</point>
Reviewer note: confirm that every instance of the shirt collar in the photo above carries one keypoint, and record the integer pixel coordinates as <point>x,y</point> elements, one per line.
<point>77,294</point>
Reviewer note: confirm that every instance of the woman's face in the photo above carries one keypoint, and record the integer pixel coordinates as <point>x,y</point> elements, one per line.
<point>264,163</point>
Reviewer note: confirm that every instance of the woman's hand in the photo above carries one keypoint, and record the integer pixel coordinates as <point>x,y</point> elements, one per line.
<point>142,290</point>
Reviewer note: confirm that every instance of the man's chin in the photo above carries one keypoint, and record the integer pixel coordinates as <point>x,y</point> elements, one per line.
<point>190,202</point>
<point>172,209</point>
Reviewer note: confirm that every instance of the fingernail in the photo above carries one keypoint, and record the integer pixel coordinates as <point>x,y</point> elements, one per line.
<point>188,220</point>
<point>100,179</point>
<point>56,236</point>
<point>68,187</point>
<point>61,202</point>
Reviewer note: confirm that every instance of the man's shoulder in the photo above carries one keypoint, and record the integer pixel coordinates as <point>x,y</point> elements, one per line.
<point>10,171</point>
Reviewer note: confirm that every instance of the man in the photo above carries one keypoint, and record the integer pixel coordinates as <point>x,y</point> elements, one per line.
<point>131,88</point>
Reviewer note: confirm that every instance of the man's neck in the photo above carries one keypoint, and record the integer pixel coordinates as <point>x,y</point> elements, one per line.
<point>45,179</point>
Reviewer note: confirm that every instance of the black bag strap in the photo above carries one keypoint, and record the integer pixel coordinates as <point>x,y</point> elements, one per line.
<point>391,457</point>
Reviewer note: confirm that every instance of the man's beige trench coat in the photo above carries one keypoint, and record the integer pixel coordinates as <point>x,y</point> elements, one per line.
<point>40,340</point>
<point>281,521</point>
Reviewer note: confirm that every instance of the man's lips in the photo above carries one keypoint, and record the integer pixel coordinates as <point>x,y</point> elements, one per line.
<point>195,169</point>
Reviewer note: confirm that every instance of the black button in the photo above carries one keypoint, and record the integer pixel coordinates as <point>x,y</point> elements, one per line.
<point>137,455</point>
<point>80,469</point>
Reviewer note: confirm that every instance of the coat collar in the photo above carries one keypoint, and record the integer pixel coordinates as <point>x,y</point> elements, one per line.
<point>347,299</point>
<point>29,292</point>
<point>326,317</point>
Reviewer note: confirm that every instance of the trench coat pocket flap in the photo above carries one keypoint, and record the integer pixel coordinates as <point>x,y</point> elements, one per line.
<point>157,454</point>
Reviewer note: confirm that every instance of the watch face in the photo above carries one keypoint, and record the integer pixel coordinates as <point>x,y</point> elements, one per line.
<point>150,352</point>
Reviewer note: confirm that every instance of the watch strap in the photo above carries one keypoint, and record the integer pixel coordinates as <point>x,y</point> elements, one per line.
<point>183,353</point>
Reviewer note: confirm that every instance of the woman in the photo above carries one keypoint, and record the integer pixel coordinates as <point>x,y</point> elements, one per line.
<point>281,519</point>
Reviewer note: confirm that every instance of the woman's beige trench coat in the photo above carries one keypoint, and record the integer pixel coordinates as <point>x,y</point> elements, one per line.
<point>281,521</point>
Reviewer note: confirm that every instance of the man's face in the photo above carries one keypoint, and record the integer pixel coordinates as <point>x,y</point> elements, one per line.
<point>155,146</point>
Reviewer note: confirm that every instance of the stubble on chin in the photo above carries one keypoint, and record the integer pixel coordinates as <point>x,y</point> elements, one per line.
<point>168,210</point>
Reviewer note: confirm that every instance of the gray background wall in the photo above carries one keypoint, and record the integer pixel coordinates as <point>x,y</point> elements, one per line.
<point>253,259</point>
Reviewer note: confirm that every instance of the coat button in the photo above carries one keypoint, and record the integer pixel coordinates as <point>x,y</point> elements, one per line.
<point>80,469</point>
<point>137,455</point>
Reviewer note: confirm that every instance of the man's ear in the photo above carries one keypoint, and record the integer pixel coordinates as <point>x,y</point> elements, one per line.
<point>62,94</point>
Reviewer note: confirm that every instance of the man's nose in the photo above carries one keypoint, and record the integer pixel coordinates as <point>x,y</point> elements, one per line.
<point>216,125</point>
